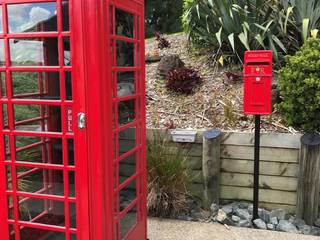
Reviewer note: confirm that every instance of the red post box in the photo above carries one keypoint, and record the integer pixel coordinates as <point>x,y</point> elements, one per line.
<point>258,82</point>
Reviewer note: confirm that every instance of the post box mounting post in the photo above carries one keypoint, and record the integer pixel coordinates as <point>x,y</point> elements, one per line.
<point>257,102</point>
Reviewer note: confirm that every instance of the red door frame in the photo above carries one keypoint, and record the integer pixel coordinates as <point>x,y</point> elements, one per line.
<point>96,39</point>
<point>91,69</point>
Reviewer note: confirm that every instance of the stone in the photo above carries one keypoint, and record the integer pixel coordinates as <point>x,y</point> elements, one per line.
<point>259,223</point>
<point>274,221</point>
<point>243,214</point>
<point>286,226</point>
<point>185,218</point>
<point>200,215</point>
<point>317,223</point>
<point>168,63</point>
<point>221,216</point>
<point>264,215</point>
<point>214,209</point>
<point>315,231</point>
<point>280,214</point>
<point>298,222</point>
<point>244,205</point>
<point>228,209</point>
<point>250,209</point>
<point>245,224</point>
<point>270,227</point>
<point>305,229</point>
<point>235,218</point>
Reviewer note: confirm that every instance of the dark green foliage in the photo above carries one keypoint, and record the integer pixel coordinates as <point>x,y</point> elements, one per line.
<point>229,27</point>
<point>163,16</point>
<point>299,84</point>
<point>183,80</point>
<point>168,178</point>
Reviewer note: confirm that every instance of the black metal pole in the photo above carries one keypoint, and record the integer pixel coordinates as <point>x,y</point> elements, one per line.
<point>256,167</point>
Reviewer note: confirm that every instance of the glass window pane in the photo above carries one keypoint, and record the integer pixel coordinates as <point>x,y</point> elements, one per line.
<point>40,181</point>
<point>125,86</point>
<point>127,140</point>
<point>2,59</point>
<point>34,52</point>
<point>127,168</point>
<point>68,85</point>
<point>3,84</point>
<point>1,26</point>
<point>126,112</point>
<point>38,118</point>
<point>128,195</point>
<point>5,116</point>
<point>32,17</point>
<point>67,51</point>
<point>65,16</point>
<point>124,23</point>
<point>39,150</point>
<point>125,54</point>
<point>36,85</point>
<point>128,222</point>
<point>28,233</point>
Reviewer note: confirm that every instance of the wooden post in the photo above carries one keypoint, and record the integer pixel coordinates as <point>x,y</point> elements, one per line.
<point>211,167</point>
<point>309,178</point>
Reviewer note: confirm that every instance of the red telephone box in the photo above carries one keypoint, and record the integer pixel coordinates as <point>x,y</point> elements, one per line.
<point>72,120</point>
<point>257,82</point>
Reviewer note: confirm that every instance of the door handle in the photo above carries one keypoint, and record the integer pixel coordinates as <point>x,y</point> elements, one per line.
<point>81,121</point>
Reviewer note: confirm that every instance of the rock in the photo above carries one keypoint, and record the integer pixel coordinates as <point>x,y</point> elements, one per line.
<point>250,209</point>
<point>235,218</point>
<point>214,209</point>
<point>270,227</point>
<point>221,216</point>
<point>317,223</point>
<point>280,214</point>
<point>243,205</point>
<point>200,215</point>
<point>152,58</point>
<point>185,218</point>
<point>274,221</point>
<point>315,231</point>
<point>286,226</point>
<point>168,63</point>
<point>305,229</point>
<point>228,209</point>
<point>264,215</point>
<point>298,222</point>
<point>259,223</point>
<point>243,214</point>
<point>245,224</point>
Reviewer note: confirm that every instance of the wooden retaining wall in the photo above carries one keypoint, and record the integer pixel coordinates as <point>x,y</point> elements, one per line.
<point>279,168</point>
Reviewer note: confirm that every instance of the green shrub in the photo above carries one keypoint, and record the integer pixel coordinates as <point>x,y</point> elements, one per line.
<point>168,178</point>
<point>230,27</point>
<point>299,83</point>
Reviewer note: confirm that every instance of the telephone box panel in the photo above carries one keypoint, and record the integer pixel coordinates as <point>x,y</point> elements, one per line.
<point>258,83</point>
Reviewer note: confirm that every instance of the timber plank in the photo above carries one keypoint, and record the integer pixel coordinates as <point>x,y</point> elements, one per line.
<point>266,168</point>
<point>266,195</point>
<point>266,182</point>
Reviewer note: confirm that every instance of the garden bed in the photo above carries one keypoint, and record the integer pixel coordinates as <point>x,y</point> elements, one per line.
<point>216,103</point>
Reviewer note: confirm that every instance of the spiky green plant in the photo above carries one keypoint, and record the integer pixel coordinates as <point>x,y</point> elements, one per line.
<point>230,27</point>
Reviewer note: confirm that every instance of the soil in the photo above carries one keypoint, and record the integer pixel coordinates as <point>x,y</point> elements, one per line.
<point>217,103</point>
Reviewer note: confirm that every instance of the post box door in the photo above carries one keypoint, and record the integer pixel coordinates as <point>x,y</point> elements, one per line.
<point>258,95</point>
